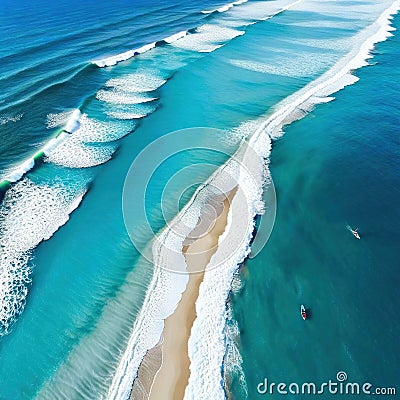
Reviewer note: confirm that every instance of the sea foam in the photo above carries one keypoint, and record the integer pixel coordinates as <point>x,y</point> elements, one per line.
<point>29,214</point>
<point>208,38</point>
<point>113,60</point>
<point>175,37</point>
<point>76,150</point>
<point>139,82</point>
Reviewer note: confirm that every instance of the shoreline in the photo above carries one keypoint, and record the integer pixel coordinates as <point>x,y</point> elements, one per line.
<point>169,361</point>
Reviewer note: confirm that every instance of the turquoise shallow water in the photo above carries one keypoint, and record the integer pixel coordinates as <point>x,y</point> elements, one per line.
<point>336,166</point>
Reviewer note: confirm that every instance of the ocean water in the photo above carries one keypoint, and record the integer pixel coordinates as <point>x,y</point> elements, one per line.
<point>81,94</point>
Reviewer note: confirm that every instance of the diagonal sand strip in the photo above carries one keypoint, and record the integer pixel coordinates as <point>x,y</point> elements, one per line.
<point>172,377</point>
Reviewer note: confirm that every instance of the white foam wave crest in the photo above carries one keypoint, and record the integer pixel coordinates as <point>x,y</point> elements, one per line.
<point>139,82</point>
<point>113,60</point>
<point>208,38</point>
<point>126,116</point>
<point>18,172</point>
<point>205,41</point>
<point>29,214</point>
<point>132,112</point>
<point>73,121</point>
<point>72,147</point>
<point>75,150</point>
<point>286,64</point>
<point>175,37</point>
<point>53,143</point>
<point>121,97</point>
<point>94,131</point>
<point>58,119</point>
<point>224,8</point>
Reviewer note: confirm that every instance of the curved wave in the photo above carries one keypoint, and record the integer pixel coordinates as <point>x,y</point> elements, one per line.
<point>29,214</point>
<point>113,60</point>
<point>72,145</point>
<point>15,174</point>
<point>81,147</point>
<point>137,82</point>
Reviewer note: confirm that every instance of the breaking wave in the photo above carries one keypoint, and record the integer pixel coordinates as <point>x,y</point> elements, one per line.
<point>29,214</point>
<point>121,97</point>
<point>113,60</point>
<point>207,38</point>
<point>79,149</point>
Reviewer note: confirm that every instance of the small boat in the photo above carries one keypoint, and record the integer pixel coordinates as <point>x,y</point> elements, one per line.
<point>355,233</point>
<point>303,312</point>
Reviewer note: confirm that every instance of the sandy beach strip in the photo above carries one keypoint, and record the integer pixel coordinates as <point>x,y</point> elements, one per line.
<point>170,380</point>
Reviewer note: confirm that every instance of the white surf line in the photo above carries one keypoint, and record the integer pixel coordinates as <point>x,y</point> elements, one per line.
<point>113,60</point>
<point>175,37</point>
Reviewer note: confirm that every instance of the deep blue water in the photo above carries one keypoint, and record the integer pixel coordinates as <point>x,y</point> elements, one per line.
<point>84,286</point>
